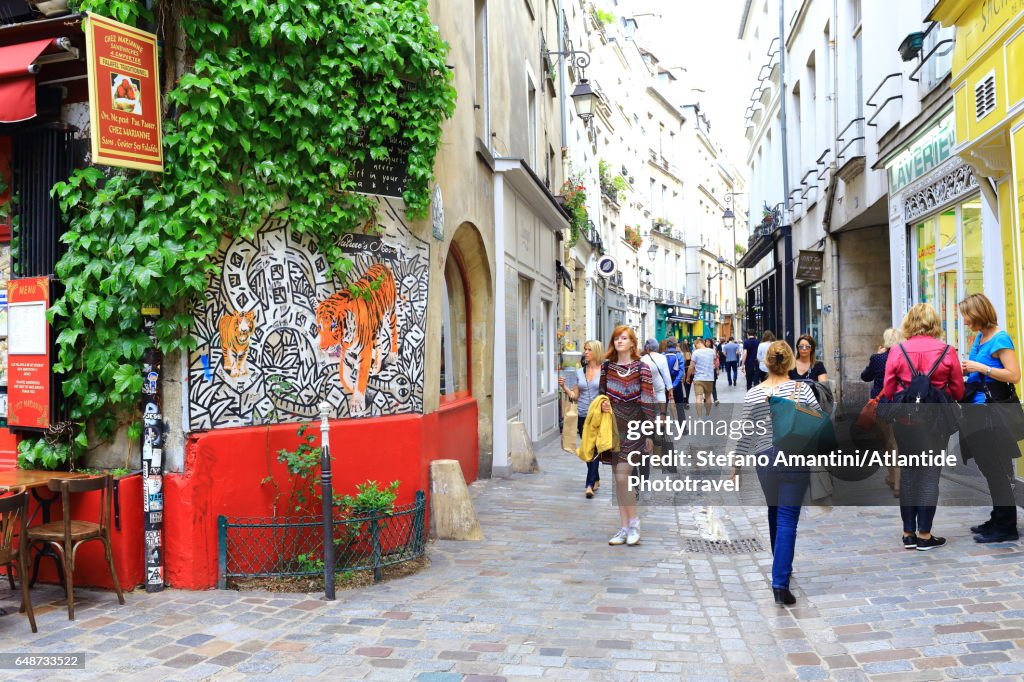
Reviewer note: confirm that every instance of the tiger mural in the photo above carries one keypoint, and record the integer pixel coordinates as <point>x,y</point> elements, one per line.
<point>356,324</point>
<point>235,331</point>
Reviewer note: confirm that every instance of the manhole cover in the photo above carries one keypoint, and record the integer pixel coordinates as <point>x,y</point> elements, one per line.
<point>744,546</point>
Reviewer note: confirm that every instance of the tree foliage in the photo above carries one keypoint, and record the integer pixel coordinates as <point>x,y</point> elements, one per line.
<point>278,102</point>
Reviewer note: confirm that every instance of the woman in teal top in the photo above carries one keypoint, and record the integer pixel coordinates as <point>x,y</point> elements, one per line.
<point>991,370</point>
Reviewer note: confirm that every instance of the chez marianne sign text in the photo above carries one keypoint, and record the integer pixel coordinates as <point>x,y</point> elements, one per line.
<point>124,95</point>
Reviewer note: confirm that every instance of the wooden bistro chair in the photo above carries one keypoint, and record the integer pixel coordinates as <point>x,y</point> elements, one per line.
<point>14,543</point>
<point>67,535</point>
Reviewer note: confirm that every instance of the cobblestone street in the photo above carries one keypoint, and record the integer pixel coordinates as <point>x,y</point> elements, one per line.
<point>544,596</point>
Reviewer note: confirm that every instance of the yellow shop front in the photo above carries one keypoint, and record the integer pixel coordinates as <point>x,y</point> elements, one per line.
<point>988,85</point>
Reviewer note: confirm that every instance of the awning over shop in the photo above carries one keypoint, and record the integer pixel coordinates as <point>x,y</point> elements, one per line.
<point>681,318</point>
<point>18,79</point>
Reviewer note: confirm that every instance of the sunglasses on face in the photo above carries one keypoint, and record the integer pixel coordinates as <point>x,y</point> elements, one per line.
<point>804,347</point>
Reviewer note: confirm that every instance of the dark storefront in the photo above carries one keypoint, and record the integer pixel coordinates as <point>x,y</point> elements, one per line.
<point>770,299</point>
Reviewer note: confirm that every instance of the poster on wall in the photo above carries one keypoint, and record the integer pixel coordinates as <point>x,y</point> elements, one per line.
<point>28,353</point>
<point>124,95</point>
<point>278,336</point>
<point>152,455</point>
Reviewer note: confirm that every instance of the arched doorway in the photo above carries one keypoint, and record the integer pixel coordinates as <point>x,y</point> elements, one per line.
<point>467,327</point>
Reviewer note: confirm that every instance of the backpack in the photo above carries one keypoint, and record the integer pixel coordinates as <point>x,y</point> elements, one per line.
<point>908,406</point>
<point>676,365</point>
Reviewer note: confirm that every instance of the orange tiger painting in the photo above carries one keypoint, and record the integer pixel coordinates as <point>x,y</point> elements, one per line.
<point>356,324</point>
<point>235,331</point>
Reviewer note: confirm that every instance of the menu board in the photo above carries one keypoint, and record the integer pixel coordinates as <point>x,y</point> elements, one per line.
<point>28,353</point>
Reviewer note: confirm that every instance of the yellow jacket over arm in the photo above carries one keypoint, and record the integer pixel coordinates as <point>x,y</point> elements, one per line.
<point>600,433</point>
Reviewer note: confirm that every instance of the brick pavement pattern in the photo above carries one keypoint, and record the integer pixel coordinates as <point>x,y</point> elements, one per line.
<point>545,597</point>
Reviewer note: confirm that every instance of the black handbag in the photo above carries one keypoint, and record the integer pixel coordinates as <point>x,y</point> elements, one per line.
<point>1005,408</point>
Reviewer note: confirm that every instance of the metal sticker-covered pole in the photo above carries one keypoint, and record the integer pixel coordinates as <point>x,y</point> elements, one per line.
<point>327,493</point>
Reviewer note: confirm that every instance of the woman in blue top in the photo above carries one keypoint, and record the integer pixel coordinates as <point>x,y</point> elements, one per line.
<point>588,380</point>
<point>990,372</point>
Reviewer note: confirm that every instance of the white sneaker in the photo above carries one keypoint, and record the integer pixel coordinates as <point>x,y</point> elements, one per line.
<point>619,538</point>
<point>633,535</point>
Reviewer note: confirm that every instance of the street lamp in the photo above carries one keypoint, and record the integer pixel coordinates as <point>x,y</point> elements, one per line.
<point>583,96</point>
<point>720,273</point>
<point>652,252</point>
<point>729,218</point>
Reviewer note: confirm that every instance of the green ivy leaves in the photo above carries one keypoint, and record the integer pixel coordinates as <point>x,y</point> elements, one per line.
<point>280,100</point>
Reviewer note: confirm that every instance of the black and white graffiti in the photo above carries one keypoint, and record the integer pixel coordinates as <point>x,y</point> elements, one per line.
<point>277,336</point>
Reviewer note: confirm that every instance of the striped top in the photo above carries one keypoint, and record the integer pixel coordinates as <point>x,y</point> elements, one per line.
<point>757,409</point>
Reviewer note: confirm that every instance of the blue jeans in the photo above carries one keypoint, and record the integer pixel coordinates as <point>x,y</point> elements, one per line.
<point>784,491</point>
<point>594,465</point>
<point>732,371</point>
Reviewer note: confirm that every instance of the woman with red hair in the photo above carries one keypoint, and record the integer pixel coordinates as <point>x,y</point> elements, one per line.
<point>630,389</point>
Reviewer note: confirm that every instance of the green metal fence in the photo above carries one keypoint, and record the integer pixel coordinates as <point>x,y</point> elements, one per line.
<point>293,546</point>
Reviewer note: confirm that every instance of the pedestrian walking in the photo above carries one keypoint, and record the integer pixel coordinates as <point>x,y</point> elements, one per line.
<point>732,357</point>
<point>750,363</point>
<point>719,364</point>
<point>702,374</point>
<point>588,382</point>
<point>807,366</point>
<point>661,378</point>
<point>875,373</point>
<point>784,487</point>
<point>991,370</point>
<point>677,368</point>
<point>905,372</point>
<point>629,385</point>
<point>687,352</point>
<point>767,339</point>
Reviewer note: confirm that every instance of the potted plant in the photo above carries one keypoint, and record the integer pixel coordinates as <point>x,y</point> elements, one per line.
<point>574,199</point>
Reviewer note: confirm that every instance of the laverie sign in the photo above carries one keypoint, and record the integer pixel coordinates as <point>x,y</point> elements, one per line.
<point>927,152</point>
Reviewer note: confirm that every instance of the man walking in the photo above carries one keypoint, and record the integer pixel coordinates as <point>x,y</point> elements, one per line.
<point>732,357</point>
<point>750,367</point>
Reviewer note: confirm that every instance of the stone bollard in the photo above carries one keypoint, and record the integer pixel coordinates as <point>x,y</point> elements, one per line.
<point>452,516</point>
<point>520,450</point>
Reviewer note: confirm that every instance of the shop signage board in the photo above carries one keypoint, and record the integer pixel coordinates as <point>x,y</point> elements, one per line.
<point>387,176</point>
<point>124,95</point>
<point>28,353</point>
<point>923,154</point>
<point>810,265</point>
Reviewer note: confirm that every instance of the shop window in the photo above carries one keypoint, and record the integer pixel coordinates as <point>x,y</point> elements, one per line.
<point>454,330</point>
<point>810,313</point>
<point>947,230</point>
<point>925,244</point>
<point>972,258</point>
<point>543,371</point>
<point>512,337</point>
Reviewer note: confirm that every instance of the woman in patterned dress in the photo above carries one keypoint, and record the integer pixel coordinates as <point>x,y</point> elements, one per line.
<point>630,389</point>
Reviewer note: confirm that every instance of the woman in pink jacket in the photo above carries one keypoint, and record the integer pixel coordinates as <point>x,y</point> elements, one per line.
<point>919,486</point>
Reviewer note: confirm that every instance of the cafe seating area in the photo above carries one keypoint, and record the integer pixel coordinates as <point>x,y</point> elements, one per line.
<point>32,533</point>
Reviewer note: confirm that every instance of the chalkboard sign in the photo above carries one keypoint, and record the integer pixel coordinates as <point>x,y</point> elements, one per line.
<point>387,176</point>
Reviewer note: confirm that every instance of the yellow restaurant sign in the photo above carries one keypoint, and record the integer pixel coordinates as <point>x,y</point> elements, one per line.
<point>124,95</point>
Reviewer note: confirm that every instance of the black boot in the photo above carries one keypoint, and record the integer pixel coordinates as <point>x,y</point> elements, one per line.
<point>783,597</point>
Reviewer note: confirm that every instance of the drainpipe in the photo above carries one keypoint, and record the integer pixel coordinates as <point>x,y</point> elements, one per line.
<point>787,267</point>
<point>562,80</point>
<point>499,423</point>
<point>833,241</point>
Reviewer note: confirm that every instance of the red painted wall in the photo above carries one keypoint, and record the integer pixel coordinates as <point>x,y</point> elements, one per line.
<point>224,470</point>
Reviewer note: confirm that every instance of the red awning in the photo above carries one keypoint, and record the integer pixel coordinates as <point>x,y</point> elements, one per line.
<point>17,81</point>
